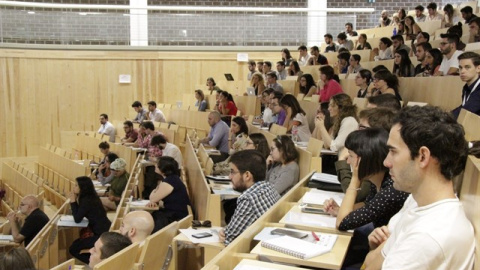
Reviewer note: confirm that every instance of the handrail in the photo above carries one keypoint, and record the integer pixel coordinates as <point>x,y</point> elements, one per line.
<point>182,8</point>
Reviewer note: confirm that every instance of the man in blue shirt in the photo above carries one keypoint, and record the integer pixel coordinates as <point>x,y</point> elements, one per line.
<point>218,136</point>
<point>469,66</point>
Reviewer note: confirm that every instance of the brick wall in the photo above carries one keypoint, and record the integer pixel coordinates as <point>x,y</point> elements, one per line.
<point>100,27</point>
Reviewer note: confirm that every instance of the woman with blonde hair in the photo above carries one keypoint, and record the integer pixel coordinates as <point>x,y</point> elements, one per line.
<point>258,83</point>
<point>344,112</point>
<point>201,102</point>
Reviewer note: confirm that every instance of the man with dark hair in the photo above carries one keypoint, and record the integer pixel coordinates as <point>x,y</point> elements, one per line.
<point>474,28</point>
<point>303,55</point>
<point>142,114</point>
<point>251,69</point>
<point>448,47</point>
<point>247,174</point>
<point>131,134</point>
<point>343,62</point>
<point>384,100</point>
<point>34,222</point>
<point>106,127</point>
<point>349,30</point>
<point>106,246</point>
<point>469,65</point>
<point>343,42</point>
<point>419,16</point>
<point>282,73</point>
<point>399,44</point>
<point>168,149</point>
<point>155,114</point>
<point>421,49</point>
<point>331,46</point>
<point>433,15</point>
<point>427,150</point>
<point>272,82</point>
<point>316,58</point>
<point>260,66</point>
<point>467,14</point>
<point>153,152</point>
<point>379,117</point>
<point>267,67</point>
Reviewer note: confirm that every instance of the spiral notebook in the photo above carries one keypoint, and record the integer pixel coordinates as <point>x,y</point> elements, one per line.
<point>296,247</point>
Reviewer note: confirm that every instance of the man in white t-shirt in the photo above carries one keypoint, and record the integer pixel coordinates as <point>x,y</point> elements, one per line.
<point>168,149</point>
<point>303,55</point>
<point>106,127</point>
<point>427,150</point>
<point>448,47</point>
<point>155,114</point>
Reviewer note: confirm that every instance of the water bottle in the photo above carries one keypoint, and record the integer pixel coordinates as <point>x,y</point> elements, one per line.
<point>395,31</point>
<point>294,134</point>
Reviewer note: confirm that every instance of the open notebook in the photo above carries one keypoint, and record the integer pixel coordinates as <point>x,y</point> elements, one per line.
<point>297,247</point>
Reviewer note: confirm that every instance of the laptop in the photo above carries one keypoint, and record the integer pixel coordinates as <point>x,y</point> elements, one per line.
<point>228,76</point>
<point>251,91</point>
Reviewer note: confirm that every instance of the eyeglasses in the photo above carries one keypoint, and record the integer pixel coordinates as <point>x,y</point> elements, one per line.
<point>198,223</point>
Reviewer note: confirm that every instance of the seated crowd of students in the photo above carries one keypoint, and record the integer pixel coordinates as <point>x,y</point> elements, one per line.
<point>367,144</point>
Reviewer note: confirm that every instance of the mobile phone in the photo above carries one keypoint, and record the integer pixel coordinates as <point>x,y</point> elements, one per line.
<point>313,210</point>
<point>202,235</point>
<point>294,234</point>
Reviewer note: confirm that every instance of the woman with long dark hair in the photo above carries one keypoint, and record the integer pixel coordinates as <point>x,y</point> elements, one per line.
<point>296,121</point>
<point>283,171</point>
<point>386,83</point>
<point>85,203</point>
<point>307,85</point>
<point>363,80</point>
<point>402,66</point>
<point>434,59</point>
<point>286,56</point>
<point>238,134</point>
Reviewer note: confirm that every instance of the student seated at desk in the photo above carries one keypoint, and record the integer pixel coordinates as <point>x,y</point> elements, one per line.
<point>117,185</point>
<point>218,136</point>
<point>85,203</point>
<point>104,148</point>
<point>247,173</point>
<point>258,83</point>
<point>386,83</point>
<point>226,105</point>
<point>283,171</point>
<point>137,225</point>
<point>105,175</point>
<point>106,246</point>
<point>171,191</point>
<point>35,220</point>
<point>296,121</point>
<point>16,258</point>
<point>367,149</point>
<point>307,85</point>
<point>201,103</point>
<point>131,134</point>
<point>330,86</point>
<point>238,134</point>
<point>402,66</point>
<point>345,112</point>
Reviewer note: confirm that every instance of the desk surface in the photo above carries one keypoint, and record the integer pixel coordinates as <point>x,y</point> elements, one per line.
<point>182,238</point>
<point>330,260</point>
<point>246,264</point>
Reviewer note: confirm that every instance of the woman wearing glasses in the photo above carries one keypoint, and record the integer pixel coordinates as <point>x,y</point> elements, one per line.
<point>342,109</point>
<point>171,191</point>
<point>283,171</point>
<point>386,83</point>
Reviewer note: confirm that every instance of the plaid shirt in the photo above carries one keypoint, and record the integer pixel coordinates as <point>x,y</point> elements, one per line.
<point>250,206</point>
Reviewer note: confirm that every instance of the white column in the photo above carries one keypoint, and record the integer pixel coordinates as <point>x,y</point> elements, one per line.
<point>138,23</point>
<point>317,22</point>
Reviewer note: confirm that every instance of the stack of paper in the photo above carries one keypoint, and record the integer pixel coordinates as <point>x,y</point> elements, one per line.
<point>69,221</point>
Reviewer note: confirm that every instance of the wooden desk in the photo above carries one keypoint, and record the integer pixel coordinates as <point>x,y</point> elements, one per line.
<point>251,264</point>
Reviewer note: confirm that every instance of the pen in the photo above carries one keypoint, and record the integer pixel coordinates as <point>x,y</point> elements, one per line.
<point>315,236</point>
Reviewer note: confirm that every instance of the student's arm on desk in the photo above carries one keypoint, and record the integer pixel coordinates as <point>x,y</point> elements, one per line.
<point>17,237</point>
<point>159,193</point>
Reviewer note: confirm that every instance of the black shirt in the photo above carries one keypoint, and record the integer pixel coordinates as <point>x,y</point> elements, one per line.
<point>177,201</point>
<point>34,223</point>
<point>330,48</point>
<point>419,69</point>
<point>92,209</point>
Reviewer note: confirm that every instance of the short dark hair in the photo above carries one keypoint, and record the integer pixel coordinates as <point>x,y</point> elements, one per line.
<point>328,71</point>
<point>104,145</point>
<point>437,130</point>
<point>371,145</point>
<point>112,157</point>
<point>357,57</point>
<point>260,62</point>
<point>426,35</point>
<point>398,37</point>
<point>272,74</point>
<point>467,9</point>
<point>425,45</point>
<point>104,115</point>
<point>286,147</point>
<point>252,161</point>
<point>302,47</point>
<point>251,62</point>
<point>157,140</point>
<point>420,7</point>
<point>136,104</point>
<point>386,101</point>
<point>153,103</point>
<point>16,258</point>
<point>268,63</point>
<point>349,24</point>
<point>379,117</point>
<point>277,95</point>
<point>328,36</point>
<point>148,125</point>
<point>113,242</point>
<point>386,41</point>
<point>452,38</point>
<point>342,36</point>
<point>314,48</point>
<point>344,55</point>
<point>432,6</point>
<point>470,55</point>
<point>379,67</point>
<point>168,166</point>
<point>128,123</point>
<point>281,63</point>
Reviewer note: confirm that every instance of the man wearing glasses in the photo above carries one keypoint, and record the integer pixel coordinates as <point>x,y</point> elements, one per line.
<point>448,47</point>
<point>247,174</point>
<point>34,222</point>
